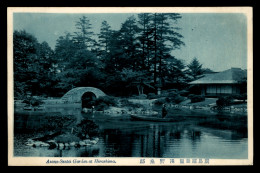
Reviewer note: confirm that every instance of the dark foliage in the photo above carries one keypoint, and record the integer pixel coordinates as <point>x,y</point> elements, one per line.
<point>152,96</point>
<point>184,93</point>
<point>242,97</point>
<point>195,70</point>
<point>127,103</point>
<point>33,101</point>
<point>196,98</point>
<point>132,60</point>
<point>224,101</point>
<point>174,97</point>
<point>104,102</point>
<point>87,128</point>
<point>160,101</point>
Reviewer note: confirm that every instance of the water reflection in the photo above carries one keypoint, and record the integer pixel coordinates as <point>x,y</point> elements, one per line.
<point>121,137</point>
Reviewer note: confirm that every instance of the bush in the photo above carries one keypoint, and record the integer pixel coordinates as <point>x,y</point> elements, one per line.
<point>160,101</point>
<point>155,96</point>
<point>33,101</point>
<point>124,102</point>
<point>184,93</point>
<point>103,102</point>
<point>224,101</point>
<point>240,96</point>
<point>101,106</point>
<point>142,96</point>
<point>170,90</point>
<point>174,98</point>
<point>127,103</point>
<point>108,100</point>
<point>178,99</point>
<point>172,94</point>
<point>152,96</point>
<point>196,98</point>
<point>165,94</point>
<point>135,105</point>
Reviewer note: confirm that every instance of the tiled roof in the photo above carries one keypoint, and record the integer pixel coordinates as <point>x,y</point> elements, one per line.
<point>230,76</point>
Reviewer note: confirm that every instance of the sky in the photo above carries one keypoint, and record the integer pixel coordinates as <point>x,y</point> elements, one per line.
<point>217,40</point>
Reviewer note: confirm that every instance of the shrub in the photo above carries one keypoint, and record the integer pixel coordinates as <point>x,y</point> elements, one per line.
<point>101,106</point>
<point>160,101</point>
<point>103,102</point>
<point>165,94</point>
<point>33,101</point>
<point>172,94</point>
<point>124,102</point>
<point>196,98</point>
<point>224,101</point>
<point>240,96</point>
<point>152,96</point>
<point>108,100</point>
<point>184,93</point>
<point>142,96</point>
<point>174,98</point>
<point>178,99</point>
<point>135,105</point>
<point>127,103</point>
<point>171,90</point>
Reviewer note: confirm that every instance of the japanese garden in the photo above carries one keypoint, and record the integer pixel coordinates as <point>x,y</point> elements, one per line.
<point>81,97</point>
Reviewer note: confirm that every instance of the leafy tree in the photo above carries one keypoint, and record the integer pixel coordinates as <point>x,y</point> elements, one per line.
<point>25,54</point>
<point>83,69</point>
<point>174,71</point>
<point>32,65</point>
<point>77,59</point>
<point>137,79</point>
<point>137,55</point>
<point>44,77</point>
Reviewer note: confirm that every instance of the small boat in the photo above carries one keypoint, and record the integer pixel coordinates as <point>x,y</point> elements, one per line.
<point>155,119</point>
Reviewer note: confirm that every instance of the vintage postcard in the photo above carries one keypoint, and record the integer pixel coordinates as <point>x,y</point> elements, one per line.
<point>130,86</point>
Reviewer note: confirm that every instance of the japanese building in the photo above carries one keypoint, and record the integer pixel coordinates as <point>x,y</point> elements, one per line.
<point>222,83</point>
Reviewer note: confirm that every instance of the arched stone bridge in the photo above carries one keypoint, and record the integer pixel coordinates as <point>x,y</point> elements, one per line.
<point>75,95</point>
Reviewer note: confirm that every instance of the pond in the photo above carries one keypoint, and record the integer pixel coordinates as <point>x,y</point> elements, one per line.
<point>200,135</point>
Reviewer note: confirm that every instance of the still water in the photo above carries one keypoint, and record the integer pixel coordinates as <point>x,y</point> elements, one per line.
<point>208,135</point>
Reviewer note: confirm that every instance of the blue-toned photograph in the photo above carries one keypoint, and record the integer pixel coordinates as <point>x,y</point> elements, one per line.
<point>149,85</point>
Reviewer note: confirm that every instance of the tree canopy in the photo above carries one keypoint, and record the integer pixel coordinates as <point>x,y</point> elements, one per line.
<point>135,59</point>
